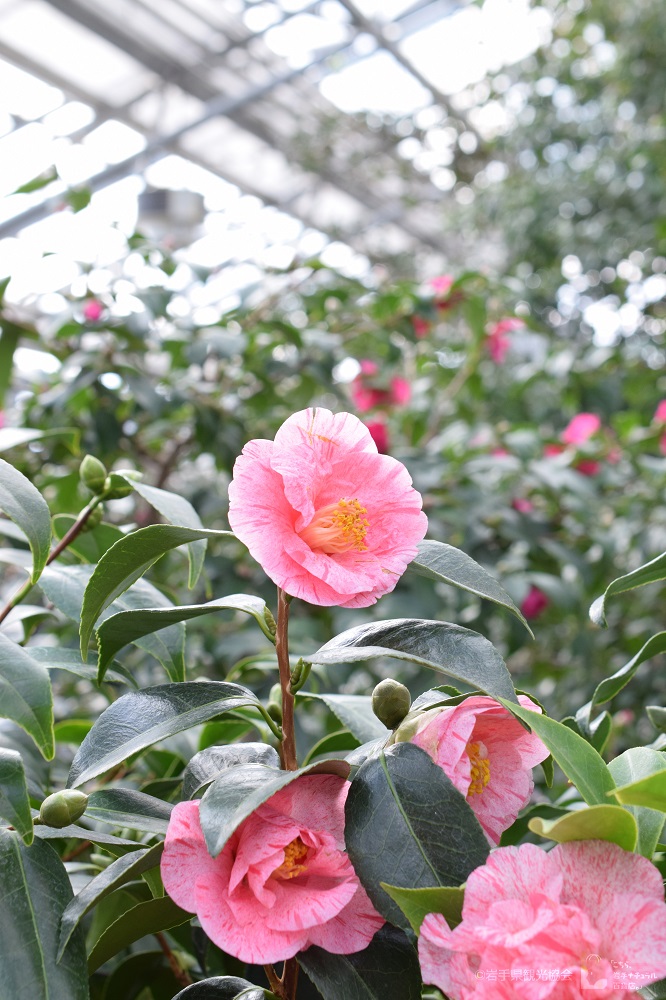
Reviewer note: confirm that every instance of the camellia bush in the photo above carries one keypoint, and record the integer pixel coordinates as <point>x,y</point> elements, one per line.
<point>204,838</point>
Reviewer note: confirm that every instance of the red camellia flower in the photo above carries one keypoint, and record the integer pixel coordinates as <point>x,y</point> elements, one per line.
<point>329,519</point>
<point>535,602</point>
<point>487,754</point>
<point>498,342</point>
<point>281,883</point>
<point>586,919</point>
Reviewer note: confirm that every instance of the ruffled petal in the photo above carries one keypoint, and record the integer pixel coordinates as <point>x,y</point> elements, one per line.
<point>352,929</point>
<point>185,860</point>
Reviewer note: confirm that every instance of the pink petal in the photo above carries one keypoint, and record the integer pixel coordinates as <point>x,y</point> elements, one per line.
<point>591,865</point>
<point>185,860</point>
<point>315,802</point>
<point>352,929</point>
<point>511,873</point>
<point>580,428</point>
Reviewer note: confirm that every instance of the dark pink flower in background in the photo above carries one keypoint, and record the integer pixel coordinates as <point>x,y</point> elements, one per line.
<point>589,915</point>
<point>581,428</point>
<point>487,754</point>
<point>500,453</point>
<point>93,310</point>
<point>535,603</point>
<point>421,326</point>
<point>498,341</point>
<point>441,284</point>
<point>329,519</point>
<point>522,505</point>
<point>401,391</point>
<point>379,434</point>
<point>551,450</point>
<point>368,396</point>
<point>281,883</point>
<point>2,419</point>
<point>369,367</point>
<point>660,412</point>
<point>588,467</point>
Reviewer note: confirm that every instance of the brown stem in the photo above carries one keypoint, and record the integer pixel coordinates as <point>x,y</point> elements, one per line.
<point>179,973</point>
<point>273,981</point>
<point>290,978</point>
<point>288,744</point>
<point>79,849</point>
<point>60,547</point>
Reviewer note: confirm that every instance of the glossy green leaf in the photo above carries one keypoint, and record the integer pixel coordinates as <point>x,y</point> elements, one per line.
<point>91,545</point>
<point>416,904</point>
<point>61,658</point>
<point>26,507</point>
<point>126,807</point>
<point>65,587</point>
<point>127,561</point>
<point>222,988</point>
<point>76,832</point>
<point>599,822</point>
<point>657,716</point>
<point>144,970</point>
<point>408,825</point>
<point>14,801</point>
<point>388,969</point>
<point>25,694</point>
<point>178,511</point>
<point>631,766</point>
<point>355,712</point>
<point>449,649</point>
<point>336,744</point>
<point>648,791</point>
<point>146,918</point>
<point>611,686</point>
<point>36,183</point>
<point>120,871</point>
<point>649,572</point>
<point>577,758</point>
<point>240,790</point>
<point>141,718</point>
<point>34,892</point>
<point>128,626</point>
<point>439,561</point>
<point>207,765</point>
<point>16,437</point>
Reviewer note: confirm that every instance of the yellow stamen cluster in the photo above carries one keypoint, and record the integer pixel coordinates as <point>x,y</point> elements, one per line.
<point>295,855</point>
<point>479,768</point>
<point>337,527</point>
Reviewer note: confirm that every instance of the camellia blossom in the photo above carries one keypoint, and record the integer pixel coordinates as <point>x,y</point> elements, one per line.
<point>379,434</point>
<point>535,603</point>
<point>281,883</point>
<point>329,519</point>
<point>580,428</point>
<point>366,397</point>
<point>93,310</point>
<point>487,754</point>
<point>498,342</point>
<point>588,915</point>
<point>660,412</point>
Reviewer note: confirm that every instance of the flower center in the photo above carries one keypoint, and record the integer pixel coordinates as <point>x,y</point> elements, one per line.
<point>479,768</point>
<point>295,855</point>
<point>337,527</point>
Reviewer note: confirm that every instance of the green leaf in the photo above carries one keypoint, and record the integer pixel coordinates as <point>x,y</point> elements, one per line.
<point>222,988</point>
<point>127,561</point>
<point>649,572</point>
<point>25,694</point>
<point>207,765</point>
<point>416,904</point>
<point>123,870</point>
<point>75,832</point>
<point>408,825</point>
<point>388,969</point>
<point>631,766</point>
<point>34,891</point>
<point>578,759</point>
<point>179,511</point>
<point>610,823</point>
<point>26,507</point>
<point>141,718</point>
<point>65,587</point>
<point>650,792</point>
<point>439,561</point>
<point>355,712</point>
<point>146,918</point>
<point>14,801</point>
<point>60,658</point>
<point>657,716</point>
<point>15,437</point>
<point>611,686</point>
<point>126,807</point>
<point>42,180</point>
<point>448,649</point>
<point>333,744</point>
<point>240,790</point>
<point>128,626</point>
<point>142,971</point>
<point>91,545</point>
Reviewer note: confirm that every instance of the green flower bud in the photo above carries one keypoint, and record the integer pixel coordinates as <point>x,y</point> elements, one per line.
<point>270,620</point>
<point>275,712</point>
<point>390,702</point>
<point>93,474</point>
<point>63,808</point>
<point>94,518</point>
<point>115,487</point>
<point>412,724</point>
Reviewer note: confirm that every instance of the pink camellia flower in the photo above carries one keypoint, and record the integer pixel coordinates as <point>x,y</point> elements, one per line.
<point>401,390</point>
<point>498,342</point>
<point>522,505</point>
<point>535,603</point>
<point>330,519</point>
<point>366,398</point>
<point>441,284</point>
<point>580,428</point>
<point>93,310</point>
<point>660,412</point>
<point>587,916</point>
<point>379,434</point>
<point>487,754</point>
<point>421,326</point>
<point>588,467</point>
<point>281,883</point>
<point>662,444</point>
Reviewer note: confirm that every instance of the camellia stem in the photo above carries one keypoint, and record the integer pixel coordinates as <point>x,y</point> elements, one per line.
<point>288,744</point>
<point>75,530</point>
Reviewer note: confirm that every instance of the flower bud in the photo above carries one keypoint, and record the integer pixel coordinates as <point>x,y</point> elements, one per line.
<point>63,808</point>
<point>274,706</point>
<point>92,474</point>
<point>390,702</point>
<point>270,620</point>
<point>94,518</point>
<point>115,487</point>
